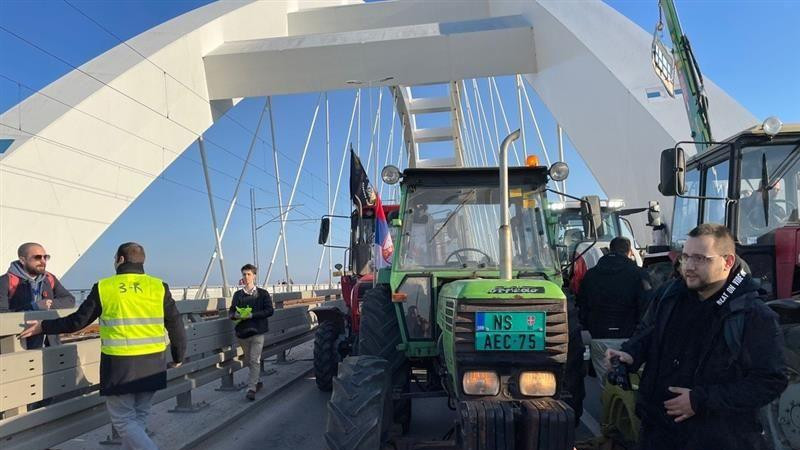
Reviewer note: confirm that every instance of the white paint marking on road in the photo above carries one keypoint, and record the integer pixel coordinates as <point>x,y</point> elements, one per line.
<point>590,423</point>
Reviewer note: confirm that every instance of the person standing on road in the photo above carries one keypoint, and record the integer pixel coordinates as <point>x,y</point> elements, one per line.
<point>28,286</point>
<point>613,294</point>
<point>712,353</point>
<point>133,308</point>
<point>250,308</point>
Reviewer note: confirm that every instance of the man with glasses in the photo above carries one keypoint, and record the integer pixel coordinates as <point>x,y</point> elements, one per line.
<point>711,351</point>
<point>28,286</point>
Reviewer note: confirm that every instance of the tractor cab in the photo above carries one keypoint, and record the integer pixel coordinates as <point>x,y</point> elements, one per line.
<point>751,184</point>
<point>448,231</point>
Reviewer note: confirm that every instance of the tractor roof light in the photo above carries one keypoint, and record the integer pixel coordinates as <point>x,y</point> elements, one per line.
<point>482,382</point>
<point>772,126</point>
<point>615,203</point>
<point>559,171</point>
<point>532,161</point>
<point>390,174</point>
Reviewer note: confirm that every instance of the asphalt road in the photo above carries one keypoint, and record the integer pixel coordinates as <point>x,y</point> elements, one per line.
<point>295,419</point>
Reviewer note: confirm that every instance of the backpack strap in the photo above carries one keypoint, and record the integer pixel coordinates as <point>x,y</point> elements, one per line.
<point>51,279</point>
<point>13,282</point>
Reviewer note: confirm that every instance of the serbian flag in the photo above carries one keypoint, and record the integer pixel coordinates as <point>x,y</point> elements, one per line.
<point>383,239</point>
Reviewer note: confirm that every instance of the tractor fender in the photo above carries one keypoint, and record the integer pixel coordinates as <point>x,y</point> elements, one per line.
<point>334,313</point>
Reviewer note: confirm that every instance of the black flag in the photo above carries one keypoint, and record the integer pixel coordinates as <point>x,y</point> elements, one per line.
<point>360,191</point>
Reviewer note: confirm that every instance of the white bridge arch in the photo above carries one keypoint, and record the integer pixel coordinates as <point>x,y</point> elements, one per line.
<point>588,63</point>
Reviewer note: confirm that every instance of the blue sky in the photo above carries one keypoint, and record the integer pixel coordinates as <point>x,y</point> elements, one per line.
<point>746,47</point>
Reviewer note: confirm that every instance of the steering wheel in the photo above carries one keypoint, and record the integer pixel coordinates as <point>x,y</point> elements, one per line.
<point>457,254</point>
<point>756,215</point>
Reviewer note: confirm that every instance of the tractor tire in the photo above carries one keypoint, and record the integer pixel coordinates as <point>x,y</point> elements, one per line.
<point>359,409</point>
<point>326,354</point>
<point>379,335</point>
<point>780,429</point>
<point>379,332</point>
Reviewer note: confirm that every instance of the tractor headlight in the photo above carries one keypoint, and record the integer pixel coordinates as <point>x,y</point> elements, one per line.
<point>481,383</point>
<point>390,174</point>
<point>559,171</point>
<point>537,383</point>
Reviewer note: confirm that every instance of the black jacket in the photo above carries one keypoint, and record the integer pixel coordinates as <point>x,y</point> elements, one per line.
<point>23,297</point>
<point>127,374</point>
<point>729,385</point>
<point>612,297</point>
<point>260,302</point>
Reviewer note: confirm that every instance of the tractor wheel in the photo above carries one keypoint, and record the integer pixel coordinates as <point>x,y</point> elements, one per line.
<point>379,332</point>
<point>326,354</point>
<point>779,417</point>
<point>379,335</point>
<point>359,409</point>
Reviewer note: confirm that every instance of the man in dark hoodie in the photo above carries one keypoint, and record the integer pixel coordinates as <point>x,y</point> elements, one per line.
<point>711,351</point>
<point>133,308</point>
<point>28,286</point>
<point>613,294</point>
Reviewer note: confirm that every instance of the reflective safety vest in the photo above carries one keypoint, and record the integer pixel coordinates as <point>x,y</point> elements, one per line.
<point>132,317</point>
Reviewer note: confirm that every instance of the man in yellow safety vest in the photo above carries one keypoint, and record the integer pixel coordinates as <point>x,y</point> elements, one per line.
<point>134,309</point>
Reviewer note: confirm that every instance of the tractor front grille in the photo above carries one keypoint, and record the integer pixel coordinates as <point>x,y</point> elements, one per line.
<point>556,333</point>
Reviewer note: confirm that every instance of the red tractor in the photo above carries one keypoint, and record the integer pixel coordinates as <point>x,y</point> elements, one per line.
<point>337,331</point>
<point>751,183</point>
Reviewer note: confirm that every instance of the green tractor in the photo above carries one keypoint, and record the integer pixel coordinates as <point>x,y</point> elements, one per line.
<point>468,314</point>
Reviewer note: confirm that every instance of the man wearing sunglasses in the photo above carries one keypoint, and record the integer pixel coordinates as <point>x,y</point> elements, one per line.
<point>711,351</point>
<point>28,286</point>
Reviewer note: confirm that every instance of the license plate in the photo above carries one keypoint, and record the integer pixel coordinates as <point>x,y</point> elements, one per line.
<point>509,331</point>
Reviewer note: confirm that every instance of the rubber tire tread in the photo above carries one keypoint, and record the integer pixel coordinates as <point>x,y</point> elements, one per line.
<point>379,332</point>
<point>356,410</point>
<point>326,357</point>
<point>379,335</point>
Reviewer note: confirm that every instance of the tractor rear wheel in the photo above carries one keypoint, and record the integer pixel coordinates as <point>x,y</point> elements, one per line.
<point>379,335</point>
<point>359,409</point>
<point>326,354</point>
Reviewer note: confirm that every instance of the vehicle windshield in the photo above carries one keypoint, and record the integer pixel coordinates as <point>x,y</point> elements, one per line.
<point>456,228</point>
<point>783,193</point>
<point>570,226</point>
<point>569,230</point>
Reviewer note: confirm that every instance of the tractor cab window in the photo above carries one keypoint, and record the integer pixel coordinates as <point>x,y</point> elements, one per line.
<point>456,228</point>
<point>764,209</point>
<point>716,186</point>
<point>569,230</point>
<point>685,216</point>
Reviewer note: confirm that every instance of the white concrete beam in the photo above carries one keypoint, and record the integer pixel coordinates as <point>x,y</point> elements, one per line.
<point>384,14</point>
<point>423,135</point>
<point>429,105</point>
<point>412,55</point>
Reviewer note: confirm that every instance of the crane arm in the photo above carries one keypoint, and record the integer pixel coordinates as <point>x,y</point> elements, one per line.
<point>691,79</point>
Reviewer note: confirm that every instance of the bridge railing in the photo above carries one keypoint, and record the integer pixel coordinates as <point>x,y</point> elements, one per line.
<point>190,292</point>
<point>66,376</point>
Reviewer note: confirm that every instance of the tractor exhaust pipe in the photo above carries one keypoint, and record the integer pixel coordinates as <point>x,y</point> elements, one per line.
<point>505,227</point>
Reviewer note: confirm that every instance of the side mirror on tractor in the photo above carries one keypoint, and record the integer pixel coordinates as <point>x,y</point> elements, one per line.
<point>324,230</point>
<point>653,214</point>
<point>592,217</point>
<point>673,171</point>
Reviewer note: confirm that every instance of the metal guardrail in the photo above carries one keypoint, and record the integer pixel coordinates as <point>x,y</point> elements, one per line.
<point>190,292</point>
<point>69,373</point>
